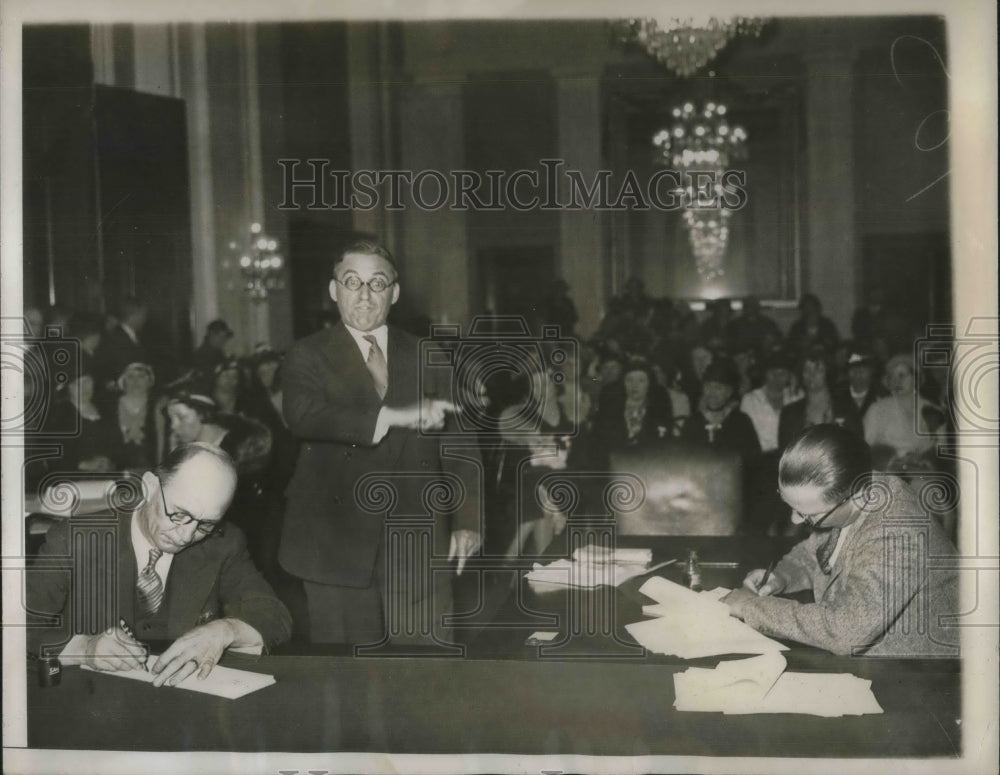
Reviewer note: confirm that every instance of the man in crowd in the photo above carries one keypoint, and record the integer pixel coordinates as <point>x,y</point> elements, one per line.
<point>122,345</point>
<point>212,351</point>
<point>178,573</point>
<point>353,395</point>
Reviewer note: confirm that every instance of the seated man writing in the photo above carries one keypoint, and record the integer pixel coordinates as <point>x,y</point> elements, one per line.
<point>866,561</point>
<point>175,573</point>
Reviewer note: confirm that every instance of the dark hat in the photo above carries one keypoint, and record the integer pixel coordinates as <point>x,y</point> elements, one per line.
<point>778,359</point>
<point>722,370</point>
<point>219,326</point>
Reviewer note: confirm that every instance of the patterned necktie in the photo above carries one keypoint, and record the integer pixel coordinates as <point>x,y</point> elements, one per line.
<point>825,550</point>
<point>377,366</point>
<point>148,586</point>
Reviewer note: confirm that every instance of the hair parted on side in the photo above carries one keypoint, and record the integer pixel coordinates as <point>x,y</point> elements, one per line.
<point>182,453</point>
<point>827,456</point>
<point>366,247</point>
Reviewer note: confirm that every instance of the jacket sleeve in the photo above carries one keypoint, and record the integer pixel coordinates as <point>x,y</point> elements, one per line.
<point>48,588</point>
<point>873,589</point>
<point>246,596</point>
<point>311,413</point>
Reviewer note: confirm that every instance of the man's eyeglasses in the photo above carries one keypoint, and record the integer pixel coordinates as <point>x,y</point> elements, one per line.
<point>375,285</point>
<point>204,527</point>
<point>814,520</point>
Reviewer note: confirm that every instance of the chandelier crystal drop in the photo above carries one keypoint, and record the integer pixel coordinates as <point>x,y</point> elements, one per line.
<point>686,45</point>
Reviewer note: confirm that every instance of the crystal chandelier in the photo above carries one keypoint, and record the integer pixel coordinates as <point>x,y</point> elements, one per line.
<point>686,45</point>
<point>260,263</point>
<point>701,139</point>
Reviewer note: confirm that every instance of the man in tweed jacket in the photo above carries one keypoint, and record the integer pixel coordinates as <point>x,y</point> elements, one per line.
<point>877,564</point>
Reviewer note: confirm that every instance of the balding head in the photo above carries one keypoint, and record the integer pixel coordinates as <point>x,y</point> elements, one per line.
<point>187,494</point>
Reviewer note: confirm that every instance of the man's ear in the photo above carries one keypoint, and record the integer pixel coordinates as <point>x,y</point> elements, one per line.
<point>148,483</point>
<point>395,293</point>
<point>333,290</point>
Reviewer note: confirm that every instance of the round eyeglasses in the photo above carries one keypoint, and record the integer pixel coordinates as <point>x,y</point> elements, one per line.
<point>375,285</point>
<point>204,527</point>
<point>814,520</point>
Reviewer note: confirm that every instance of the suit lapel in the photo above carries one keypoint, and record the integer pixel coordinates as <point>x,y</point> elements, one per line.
<point>347,361</point>
<point>185,601</point>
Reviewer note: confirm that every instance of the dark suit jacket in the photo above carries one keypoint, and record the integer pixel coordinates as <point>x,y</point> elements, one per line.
<point>333,523</point>
<point>211,579</point>
<point>116,351</point>
<point>793,417</point>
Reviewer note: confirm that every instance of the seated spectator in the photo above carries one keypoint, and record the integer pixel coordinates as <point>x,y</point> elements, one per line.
<point>634,411</point>
<point>94,446</point>
<point>122,344</point>
<point>226,385</point>
<point>752,329</point>
<point>811,329</point>
<point>212,350</point>
<point>559,309</point>
<point>861,387</point>
<point>536,440</point>
<point>133,413</point>
<point>745,361</point>
<point>763,405</point>
<point>820,404</point>
<point>178,574</point>
<point>867,570</point>
<point>717,421</point>
<point>715,328</point>
<point>693,373</point>
<point>904,428</point>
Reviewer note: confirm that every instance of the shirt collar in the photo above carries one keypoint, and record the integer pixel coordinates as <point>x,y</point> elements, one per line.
<point>129,332</point>
<point>141,546</point>
<point>381,335</point>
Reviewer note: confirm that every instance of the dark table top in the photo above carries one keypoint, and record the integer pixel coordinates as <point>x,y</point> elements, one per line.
<point>590,693</point>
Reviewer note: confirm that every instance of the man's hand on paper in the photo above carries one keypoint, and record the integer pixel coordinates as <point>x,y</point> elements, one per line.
<point>776,583</point>
<point>198,649</point>
<point>110,650</point>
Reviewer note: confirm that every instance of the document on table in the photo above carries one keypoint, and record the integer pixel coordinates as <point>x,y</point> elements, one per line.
<point>760,685</point>
<point>692,624</point>
<point>222,681</point>
<point>593,566</point>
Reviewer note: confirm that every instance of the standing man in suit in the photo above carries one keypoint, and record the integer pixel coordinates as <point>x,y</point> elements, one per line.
<point>354,397</point>
<point>122,345</point>
<point>178,575</point>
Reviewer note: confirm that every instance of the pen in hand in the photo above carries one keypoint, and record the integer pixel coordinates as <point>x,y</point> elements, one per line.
<point>128,631</point>
<point>767,575</point>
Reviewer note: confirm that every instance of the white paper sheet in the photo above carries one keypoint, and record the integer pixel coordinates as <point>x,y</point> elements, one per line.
<point>221,682</point>
<point>758,685</point>
<point>591,553</point>
<point>567,573</point>
<point>692,624</point>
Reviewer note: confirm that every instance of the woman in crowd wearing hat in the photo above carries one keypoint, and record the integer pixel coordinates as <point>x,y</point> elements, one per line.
<point>194,416</point>
<point>88,442</point>
<point>636,410</point>
<point>820,404</point>
<point>133,416</point>
<point>718,421</point>
<point>227,383</point>
<point>903,428</point>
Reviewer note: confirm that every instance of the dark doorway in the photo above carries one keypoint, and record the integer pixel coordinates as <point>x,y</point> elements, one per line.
<point>516,279</point>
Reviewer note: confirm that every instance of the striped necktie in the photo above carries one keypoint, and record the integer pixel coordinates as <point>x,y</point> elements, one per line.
<point>377,366</point>
<point>825,550</point>
<point>148,586</point>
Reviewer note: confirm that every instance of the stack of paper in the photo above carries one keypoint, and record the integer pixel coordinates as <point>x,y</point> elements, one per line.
<point>760,685</point>
<point>222,681</point>
<point>694,624</point>
<point>591,553</point>
<point>569,573</point>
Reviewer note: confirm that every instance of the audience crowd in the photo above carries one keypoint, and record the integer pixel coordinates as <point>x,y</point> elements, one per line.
<point>653,374</point>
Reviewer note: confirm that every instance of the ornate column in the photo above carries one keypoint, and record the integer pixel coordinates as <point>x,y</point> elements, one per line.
<point>582,255</point>
<point>831,267</point>
<point>434,245</point>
